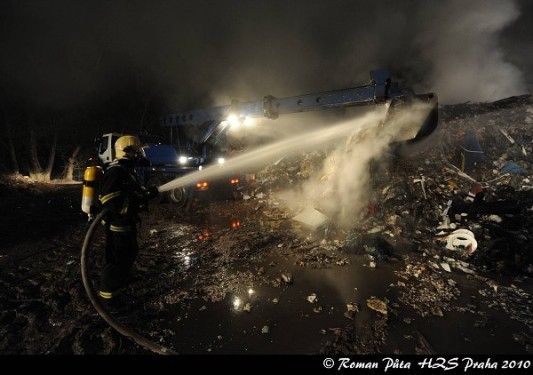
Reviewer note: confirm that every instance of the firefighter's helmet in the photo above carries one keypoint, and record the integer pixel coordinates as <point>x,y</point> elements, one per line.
<point>127,146</point>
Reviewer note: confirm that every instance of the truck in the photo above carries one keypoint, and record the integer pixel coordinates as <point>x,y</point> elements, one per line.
<point>166,164</point>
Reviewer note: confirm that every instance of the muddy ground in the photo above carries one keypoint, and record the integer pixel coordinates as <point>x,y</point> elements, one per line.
<point>242,277</point>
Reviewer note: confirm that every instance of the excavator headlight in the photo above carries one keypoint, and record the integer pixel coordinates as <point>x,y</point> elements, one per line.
<point>221,160</point>
<point>234,121</point>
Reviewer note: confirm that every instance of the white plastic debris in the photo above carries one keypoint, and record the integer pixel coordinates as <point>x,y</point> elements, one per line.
<point>311,218</point>
<point>464,269</point>
<point>153,231</point>
<point>462,239</point>
<point>446,267</point>
<point>448,206</point>
<point>312,298</point>
<point>375,230</point>
<point>506,135</point>
<point>495,218</point>
<point>352,307</point>
<point>422,181</point>
<point>287,278</point>
<point>265,329</point>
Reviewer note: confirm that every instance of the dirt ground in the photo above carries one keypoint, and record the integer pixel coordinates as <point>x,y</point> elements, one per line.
<point>242,277</point>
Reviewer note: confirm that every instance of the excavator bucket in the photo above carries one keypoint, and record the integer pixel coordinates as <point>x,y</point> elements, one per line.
<point>415,117</point>
<point>432,120</point>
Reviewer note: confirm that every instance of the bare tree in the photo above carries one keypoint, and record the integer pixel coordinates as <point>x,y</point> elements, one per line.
<point>34,157</point>
<point>68,173</point>
<point>51,159</point>
<point>36,171</point>
<point>12,154</point>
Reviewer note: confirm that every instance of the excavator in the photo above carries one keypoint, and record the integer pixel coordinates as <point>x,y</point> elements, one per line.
<point>381,90</point>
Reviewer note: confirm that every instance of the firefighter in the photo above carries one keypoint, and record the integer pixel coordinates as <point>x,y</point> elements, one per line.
<point>124,196</point>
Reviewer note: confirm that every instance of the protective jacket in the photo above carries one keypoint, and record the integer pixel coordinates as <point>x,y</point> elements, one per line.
<point>124,196</point>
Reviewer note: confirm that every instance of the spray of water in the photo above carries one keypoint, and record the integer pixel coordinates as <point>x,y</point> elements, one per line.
<point>340,189</point>
<point>261,156</point>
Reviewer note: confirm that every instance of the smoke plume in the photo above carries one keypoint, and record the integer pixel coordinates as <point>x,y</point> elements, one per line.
<point>461,41</point>
<point>191,54</point>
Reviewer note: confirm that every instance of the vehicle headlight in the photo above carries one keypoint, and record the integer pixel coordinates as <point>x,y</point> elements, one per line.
<point>221,160</point>
<point>233,120</point>
<point>182,160</point>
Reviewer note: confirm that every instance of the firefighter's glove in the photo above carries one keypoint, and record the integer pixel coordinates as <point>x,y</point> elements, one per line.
<point>152,192</point>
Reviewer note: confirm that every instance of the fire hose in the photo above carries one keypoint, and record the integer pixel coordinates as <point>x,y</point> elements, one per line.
<point>119,327</point>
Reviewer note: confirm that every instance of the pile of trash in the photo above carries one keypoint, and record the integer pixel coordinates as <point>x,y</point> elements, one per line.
<point>467,197</point>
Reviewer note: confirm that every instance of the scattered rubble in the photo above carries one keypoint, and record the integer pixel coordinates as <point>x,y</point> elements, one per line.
<point>351,310</point>
<point>377,304</point>
<point>450,237</point>
<point>426,290</point>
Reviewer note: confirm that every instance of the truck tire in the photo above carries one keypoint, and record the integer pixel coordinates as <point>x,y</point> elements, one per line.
<point>179,196</point>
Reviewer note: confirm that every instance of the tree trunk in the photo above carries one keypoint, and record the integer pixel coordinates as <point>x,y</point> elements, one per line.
<point>68,174</point>
<point>51,158</point>
<point>34,157</point>
<point>14,160</point>
<point>36,171</point>
<point>12,154</point>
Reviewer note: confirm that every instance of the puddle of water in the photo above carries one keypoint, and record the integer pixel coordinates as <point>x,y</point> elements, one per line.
<point>294,326</point>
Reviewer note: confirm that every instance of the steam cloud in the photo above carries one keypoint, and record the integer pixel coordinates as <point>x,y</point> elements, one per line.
<point>340,188</point>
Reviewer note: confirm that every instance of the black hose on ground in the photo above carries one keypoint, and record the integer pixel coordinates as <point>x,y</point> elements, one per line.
<point>120,328</point>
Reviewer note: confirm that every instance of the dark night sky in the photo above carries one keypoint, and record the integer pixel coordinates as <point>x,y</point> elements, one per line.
<point>63,54</point>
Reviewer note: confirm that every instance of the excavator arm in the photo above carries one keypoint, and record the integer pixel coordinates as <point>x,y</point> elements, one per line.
<point>381,89</point>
